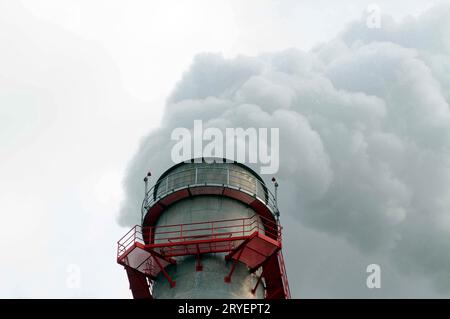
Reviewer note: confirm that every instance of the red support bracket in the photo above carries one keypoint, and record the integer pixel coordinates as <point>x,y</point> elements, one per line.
<point>258,282</point>
<point>227,278</point>
<point>198,263</point>
<point>171,282</point>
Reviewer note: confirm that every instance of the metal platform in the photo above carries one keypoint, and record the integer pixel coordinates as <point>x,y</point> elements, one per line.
<point>222,180</point>
<point>254,241</point>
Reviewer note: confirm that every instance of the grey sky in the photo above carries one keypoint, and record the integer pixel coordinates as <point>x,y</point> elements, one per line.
<point>81,82</point>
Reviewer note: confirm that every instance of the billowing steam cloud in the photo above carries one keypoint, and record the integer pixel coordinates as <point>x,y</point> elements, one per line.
<point>364,134</point>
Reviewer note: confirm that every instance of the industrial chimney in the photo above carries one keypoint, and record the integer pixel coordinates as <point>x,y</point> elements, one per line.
<point>210,229</point>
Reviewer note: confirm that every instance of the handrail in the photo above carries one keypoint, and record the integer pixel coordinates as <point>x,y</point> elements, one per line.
<point>160,235</point>
<point>209,176</point>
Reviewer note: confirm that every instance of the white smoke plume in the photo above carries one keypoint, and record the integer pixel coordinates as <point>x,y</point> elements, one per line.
<point>364,135</point>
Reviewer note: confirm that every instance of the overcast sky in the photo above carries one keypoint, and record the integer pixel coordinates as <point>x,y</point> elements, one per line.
<point>82,82</point>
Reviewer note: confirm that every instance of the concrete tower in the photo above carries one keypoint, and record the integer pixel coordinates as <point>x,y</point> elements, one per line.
<point>210,229</point>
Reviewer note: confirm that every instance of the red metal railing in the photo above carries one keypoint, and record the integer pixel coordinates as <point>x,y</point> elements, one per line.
<point>218,235</point>
<point>255,241</point>
<point>226,176</point>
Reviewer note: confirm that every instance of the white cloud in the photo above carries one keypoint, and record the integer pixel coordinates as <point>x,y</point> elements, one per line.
<point>365,126</point>
<point>81,81</point>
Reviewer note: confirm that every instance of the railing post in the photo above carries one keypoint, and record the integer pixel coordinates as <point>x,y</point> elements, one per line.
<point>145,196</point>
<point>277,212</point>
<point>228,176</point>
<point>146,190</point>
<point>196,175</point>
